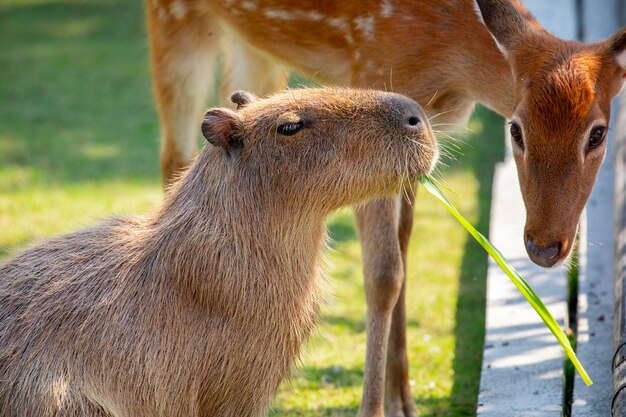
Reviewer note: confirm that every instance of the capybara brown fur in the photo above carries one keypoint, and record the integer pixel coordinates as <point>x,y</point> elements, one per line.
<point>200,307</point>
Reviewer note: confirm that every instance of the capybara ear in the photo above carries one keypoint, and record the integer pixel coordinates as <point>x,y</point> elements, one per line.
<point>241,98</point>
<point>222,127</point>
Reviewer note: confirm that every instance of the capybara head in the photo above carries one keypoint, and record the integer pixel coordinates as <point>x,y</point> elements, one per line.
<point>327,146</point>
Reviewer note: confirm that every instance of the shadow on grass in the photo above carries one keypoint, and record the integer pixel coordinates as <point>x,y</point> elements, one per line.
<point>69,83</point>
<point>316,412</point>
<point>343,411</point>
<point>66,20</point>
<point>356,326</point>
<point>337,377</point>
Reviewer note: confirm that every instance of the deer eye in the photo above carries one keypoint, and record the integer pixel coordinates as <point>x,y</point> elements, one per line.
<point>597,136</point>
<point>288,129</point>
<point>516,135</point>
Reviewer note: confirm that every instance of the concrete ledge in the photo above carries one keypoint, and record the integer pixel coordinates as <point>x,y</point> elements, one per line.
<point>522,372</point>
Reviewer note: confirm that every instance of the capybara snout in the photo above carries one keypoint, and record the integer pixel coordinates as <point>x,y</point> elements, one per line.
<point>409,114</point>
<point>408,121</point>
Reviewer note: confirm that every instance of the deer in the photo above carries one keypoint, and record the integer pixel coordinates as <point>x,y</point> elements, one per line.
<point>447,55</point>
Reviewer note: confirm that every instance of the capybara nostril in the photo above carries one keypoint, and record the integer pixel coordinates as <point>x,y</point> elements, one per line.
<point>413,121</point>
<point>409,111</point>
<point>546,256</point>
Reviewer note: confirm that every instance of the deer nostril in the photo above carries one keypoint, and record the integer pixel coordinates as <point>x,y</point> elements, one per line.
<point>545,256</point>
<point>413,121</point>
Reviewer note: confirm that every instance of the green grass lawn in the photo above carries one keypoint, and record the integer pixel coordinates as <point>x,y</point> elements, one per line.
<point>79,141</point>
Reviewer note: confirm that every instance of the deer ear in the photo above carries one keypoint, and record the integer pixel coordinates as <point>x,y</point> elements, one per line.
<point>242,98</point>
<point>504,21</point>
<point>223,128</point>
<point>617,49</point>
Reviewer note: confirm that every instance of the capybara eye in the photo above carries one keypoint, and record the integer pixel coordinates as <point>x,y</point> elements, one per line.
<point>289,129</point>
<point>516,135</point>
<point>596,137</point>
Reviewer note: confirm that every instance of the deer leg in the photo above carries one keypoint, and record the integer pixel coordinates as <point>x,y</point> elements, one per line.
<point>383,272</point>
<point>183,51</point>
<point>399,401</point>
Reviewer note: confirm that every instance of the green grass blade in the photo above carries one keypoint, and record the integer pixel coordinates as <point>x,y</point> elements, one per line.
<point>531,296</point>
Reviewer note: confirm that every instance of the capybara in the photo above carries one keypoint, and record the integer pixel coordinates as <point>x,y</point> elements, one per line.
<point>200,307</point>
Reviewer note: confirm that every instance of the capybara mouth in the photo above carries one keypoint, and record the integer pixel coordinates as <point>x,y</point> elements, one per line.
<point>426,156</point>
<point>435,159</point>
<point>423,155</point>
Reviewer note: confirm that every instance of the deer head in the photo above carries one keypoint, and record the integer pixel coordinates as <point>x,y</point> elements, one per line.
<point>563,92</point>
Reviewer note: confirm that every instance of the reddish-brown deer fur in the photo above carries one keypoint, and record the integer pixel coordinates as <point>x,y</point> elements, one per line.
<point>442,54</point>
<point>200,308</point>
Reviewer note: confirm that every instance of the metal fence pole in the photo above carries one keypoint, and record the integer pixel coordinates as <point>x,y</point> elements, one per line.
<point>619,359</point>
